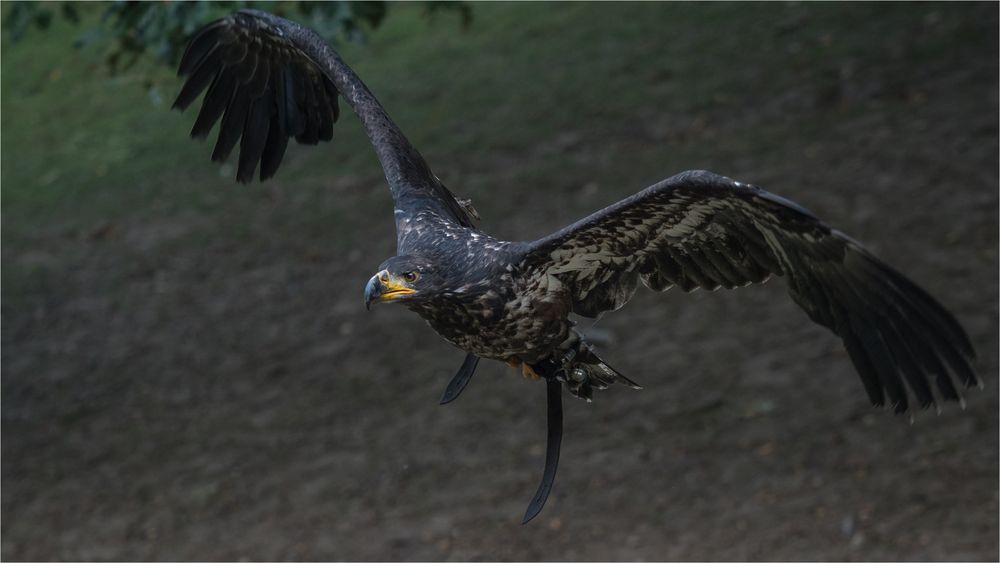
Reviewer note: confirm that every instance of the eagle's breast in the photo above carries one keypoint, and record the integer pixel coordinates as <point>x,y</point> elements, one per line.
<point>492,309</point>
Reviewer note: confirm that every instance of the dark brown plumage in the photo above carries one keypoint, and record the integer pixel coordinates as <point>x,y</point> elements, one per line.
<point>270,80</point>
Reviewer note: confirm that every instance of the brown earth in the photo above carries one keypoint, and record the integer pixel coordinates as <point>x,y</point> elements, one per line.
<point>204,383</point>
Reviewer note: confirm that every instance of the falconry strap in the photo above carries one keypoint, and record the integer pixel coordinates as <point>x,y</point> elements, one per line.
<point>553,394</point>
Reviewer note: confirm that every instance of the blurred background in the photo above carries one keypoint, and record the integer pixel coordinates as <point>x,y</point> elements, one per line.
<point>189,371</point>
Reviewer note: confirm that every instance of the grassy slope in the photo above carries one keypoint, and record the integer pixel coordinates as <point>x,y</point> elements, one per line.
<point>83,147</point>
<point>163,325</point>
<point>521,76</point>
<point>563,96</point>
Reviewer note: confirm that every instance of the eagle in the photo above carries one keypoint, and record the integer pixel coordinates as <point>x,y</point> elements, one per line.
<point>270,80</point>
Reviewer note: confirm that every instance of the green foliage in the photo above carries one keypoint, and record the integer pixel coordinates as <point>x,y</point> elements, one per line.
<point>162,28</point>
<point>529,83</point>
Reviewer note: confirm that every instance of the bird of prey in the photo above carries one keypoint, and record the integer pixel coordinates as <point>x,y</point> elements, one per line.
<point>270,79</point>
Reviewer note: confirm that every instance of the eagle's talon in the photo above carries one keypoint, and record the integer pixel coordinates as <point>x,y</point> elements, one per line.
<point>694,230</point>
<point>526,370</point>
<point>529,372</point>
<point>581,390</point>
<point>567,358</point>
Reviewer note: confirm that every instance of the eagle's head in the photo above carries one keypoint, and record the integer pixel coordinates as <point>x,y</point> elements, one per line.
<point>403,279</point>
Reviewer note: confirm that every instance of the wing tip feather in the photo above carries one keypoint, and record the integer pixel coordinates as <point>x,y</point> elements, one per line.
<point>219,48</point>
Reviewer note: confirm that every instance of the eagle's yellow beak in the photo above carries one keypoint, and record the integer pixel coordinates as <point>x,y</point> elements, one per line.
<point>385,287</point>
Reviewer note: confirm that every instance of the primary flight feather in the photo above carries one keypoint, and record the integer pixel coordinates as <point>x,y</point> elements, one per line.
<point>270,80</point>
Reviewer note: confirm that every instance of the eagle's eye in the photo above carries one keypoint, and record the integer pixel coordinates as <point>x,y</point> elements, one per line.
<point>411,277</point>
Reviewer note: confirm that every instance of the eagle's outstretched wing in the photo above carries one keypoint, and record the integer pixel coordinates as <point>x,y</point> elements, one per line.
<point>698,229</point>
<point>270,79</point>
<point>265,88</point>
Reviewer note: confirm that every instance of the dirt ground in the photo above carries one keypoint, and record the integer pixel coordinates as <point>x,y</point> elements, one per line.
<point>205,383</point>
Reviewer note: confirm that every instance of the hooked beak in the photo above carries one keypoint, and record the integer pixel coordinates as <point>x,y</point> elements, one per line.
<point>383,287</point>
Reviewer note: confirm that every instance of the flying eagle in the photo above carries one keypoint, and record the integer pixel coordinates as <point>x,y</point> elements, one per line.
<point>270,80</point>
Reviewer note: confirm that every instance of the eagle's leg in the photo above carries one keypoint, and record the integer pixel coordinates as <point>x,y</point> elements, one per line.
<point>526,369</point>
<point>583,371</point>
<point>529,372</point>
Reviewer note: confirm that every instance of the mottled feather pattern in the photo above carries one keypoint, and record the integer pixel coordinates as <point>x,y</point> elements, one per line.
<point>483,307</point>
<point>700,230</point>
<point>270,80</point>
